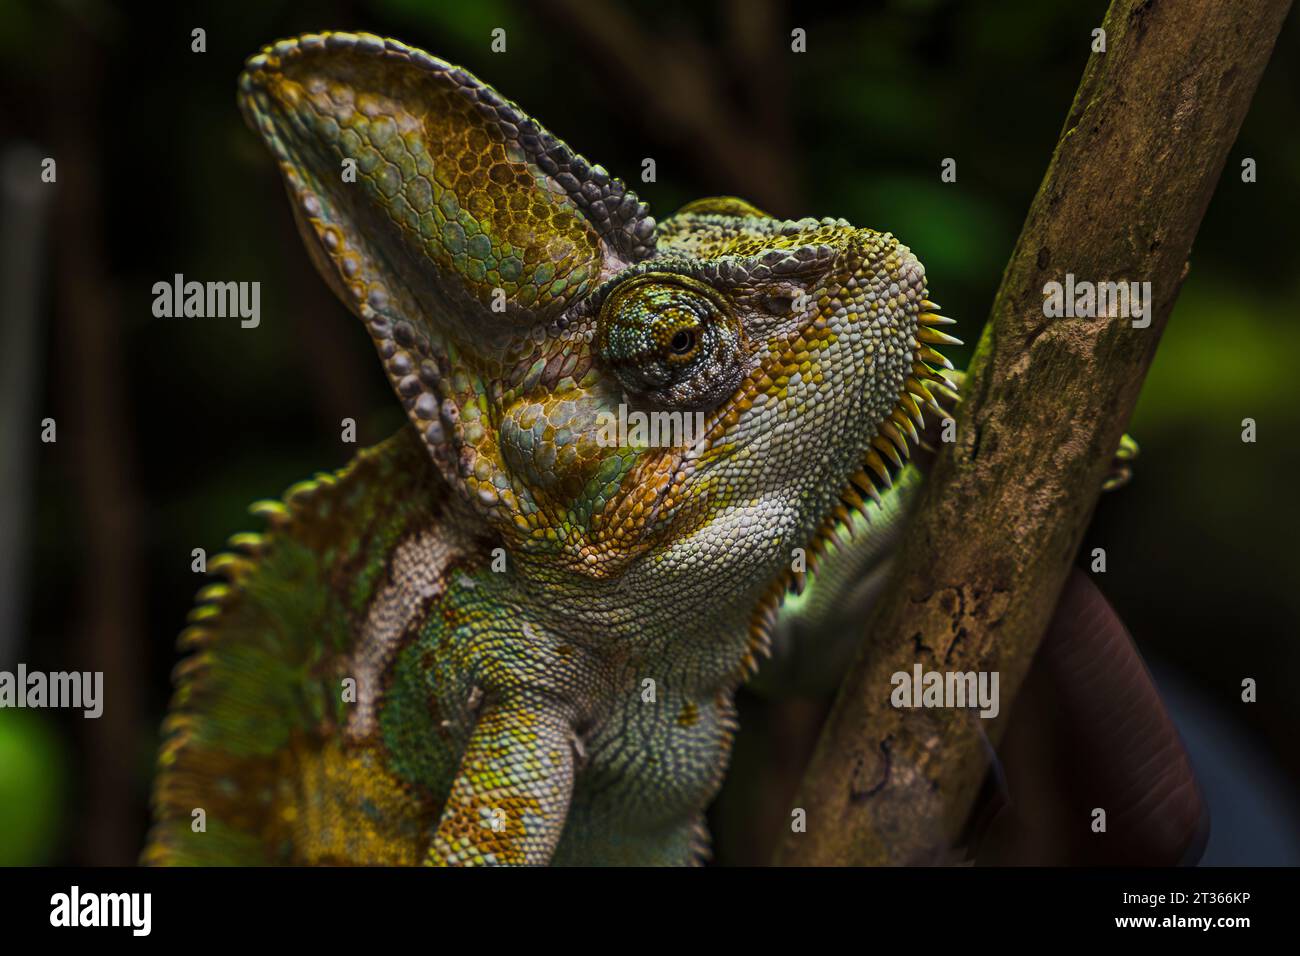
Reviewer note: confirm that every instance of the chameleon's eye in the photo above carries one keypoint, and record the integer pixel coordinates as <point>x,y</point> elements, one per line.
<point>671,341</point>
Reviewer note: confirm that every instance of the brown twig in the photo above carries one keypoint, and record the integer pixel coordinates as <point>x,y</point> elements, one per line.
<point>1007,503</point>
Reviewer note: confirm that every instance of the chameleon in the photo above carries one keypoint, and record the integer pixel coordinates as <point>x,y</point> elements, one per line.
<point>510,634</point>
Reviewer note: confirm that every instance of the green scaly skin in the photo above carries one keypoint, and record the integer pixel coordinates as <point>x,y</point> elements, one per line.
<point>544,630</point>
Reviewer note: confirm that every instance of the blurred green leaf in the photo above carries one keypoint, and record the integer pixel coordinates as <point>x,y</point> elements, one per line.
<point>33,779</point>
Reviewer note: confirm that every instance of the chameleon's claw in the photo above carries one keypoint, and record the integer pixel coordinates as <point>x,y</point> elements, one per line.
<point>1116,479</point>
<point>1120,467</point>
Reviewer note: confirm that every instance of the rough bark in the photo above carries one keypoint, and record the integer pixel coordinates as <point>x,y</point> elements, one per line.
<point>1006,505</point>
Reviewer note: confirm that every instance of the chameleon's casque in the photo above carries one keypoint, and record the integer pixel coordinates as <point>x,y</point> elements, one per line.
<point>497,637</point>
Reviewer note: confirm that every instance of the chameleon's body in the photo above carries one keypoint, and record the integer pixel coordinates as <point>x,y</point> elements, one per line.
<point>499,582</point>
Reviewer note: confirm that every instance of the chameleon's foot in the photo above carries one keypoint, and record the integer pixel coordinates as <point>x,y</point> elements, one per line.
<point>1121,466</point>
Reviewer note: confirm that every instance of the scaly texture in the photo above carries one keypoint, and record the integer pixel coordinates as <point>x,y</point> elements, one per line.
<point>512,634</point>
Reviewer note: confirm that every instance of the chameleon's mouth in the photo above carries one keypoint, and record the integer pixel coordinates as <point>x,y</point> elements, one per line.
<point>886,454</point>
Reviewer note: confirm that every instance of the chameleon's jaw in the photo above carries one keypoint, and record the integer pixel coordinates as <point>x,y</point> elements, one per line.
<point>851,372</point>
<point>832,404</point>
<point>883,449</point>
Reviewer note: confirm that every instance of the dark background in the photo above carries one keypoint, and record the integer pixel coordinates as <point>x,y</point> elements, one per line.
<point>168,428</point>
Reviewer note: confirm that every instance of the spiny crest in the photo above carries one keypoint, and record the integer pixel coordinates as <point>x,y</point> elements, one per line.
<point>891,442</point>
<point>890,446</point>
<point>305,510</point>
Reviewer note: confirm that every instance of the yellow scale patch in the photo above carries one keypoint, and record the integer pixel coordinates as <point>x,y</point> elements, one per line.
<point>338,805</point>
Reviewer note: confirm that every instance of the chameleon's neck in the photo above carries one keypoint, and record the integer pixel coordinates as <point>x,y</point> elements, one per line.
<point>701,633</point>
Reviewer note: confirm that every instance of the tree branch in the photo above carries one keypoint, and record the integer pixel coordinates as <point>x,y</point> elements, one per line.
<point>1046,401</point>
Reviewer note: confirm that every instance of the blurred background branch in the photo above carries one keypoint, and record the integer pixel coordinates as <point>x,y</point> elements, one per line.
<point>98,427</point>
<point>681,87</point>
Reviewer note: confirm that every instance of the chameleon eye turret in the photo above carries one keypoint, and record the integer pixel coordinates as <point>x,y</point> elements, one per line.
<point>671,341</point>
